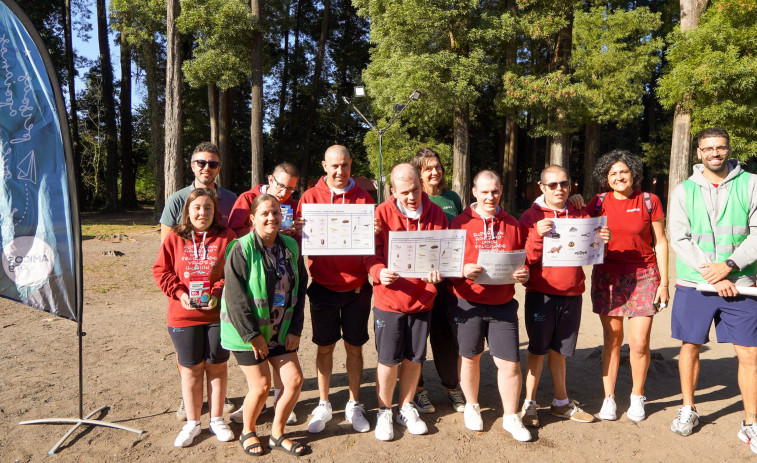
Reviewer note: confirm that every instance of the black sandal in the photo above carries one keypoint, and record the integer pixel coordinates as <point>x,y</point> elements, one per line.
<point>297,449</point>
<point>248,450</point>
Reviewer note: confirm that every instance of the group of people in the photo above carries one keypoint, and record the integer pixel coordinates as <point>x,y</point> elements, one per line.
<point>236,281</point>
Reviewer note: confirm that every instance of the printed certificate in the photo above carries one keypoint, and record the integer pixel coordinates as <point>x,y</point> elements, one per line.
<point>499,266</point>
<point>338,230</point>
<point>413,254</point>
<point>574,242</point>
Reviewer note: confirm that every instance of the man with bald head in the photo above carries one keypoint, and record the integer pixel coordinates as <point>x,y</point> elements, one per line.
<point>402,306</point>
<point>340,295</point>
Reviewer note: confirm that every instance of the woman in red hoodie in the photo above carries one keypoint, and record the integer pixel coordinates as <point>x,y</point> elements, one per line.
<point>189,270</point>
<point>488,311</point>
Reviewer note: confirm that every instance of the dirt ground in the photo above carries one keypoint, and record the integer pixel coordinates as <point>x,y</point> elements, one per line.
<point>129,365</point>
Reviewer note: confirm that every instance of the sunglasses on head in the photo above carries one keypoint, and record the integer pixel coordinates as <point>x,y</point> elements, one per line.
<point>553,186</point>
<point>201,163</point>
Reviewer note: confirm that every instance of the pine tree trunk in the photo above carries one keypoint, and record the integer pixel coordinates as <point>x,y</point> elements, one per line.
<point>461,153</point>
<point>152,79</point>
<point>591,150</point>
<point>73,115</point>
<point>213,112</point>
<point>174,144</point>
<point>256,116</point>
<point>109,111</point>
<point>559,150</point>
<point>224,137</point>
<point>313,103</point>
<point>285,68</point>
<point>128,173</point>
<point>510,165</point>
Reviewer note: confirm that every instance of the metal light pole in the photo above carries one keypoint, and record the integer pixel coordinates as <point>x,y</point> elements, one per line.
<point>398,109</point>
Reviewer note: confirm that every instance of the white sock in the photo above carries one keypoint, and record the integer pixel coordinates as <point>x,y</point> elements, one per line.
<point>529,402</point>
<point>560,403</point>
<point>217,418</point>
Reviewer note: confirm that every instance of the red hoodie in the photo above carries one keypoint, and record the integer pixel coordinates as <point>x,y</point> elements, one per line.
<point>338,273</point>
<point>239,218</point>
<point>499,233</point>
<point>558,281</point>
<point>406,295</point>
<point>177,259</point>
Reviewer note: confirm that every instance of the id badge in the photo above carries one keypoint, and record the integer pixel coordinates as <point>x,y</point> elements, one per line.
<point>279,299</point>
<point>199,291</point>
<point>287,216</point>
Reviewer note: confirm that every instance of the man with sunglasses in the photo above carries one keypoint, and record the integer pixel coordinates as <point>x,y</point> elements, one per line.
<point>713,231</point>
<point>553,300</point>
<point>205,164</point>
<point>281,184</point>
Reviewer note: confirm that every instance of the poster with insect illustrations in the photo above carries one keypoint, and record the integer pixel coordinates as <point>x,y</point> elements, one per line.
<point>413,254</point>
<point>338,230</point>
<point>574,242</point>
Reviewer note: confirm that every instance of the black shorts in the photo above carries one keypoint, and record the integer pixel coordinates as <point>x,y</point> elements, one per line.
<point>197,344</point>
<point>247,357</point>
<point>400,336</point>
<point>336,315</point>
<point>498,324</point>
<point>552,322</point>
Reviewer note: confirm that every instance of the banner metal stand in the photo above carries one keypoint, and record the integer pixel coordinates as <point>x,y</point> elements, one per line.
<point>76,234</point>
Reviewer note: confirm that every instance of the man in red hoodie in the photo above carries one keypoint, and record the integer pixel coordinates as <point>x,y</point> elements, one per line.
<point>488,312</point>
<point>402,306</point>
<point>340,295</point>
<point>281,184</point>
<point>553,300</point>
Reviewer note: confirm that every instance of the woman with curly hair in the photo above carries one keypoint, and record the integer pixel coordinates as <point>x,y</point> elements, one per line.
<point>633,280</point>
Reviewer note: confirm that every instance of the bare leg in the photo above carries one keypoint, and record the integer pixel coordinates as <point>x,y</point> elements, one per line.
<point>354,369</point>
<point>191,389</point>
<point>556,362</point>
<point>688,367</point>
<point>639,329</point>
<point>470,377</point>
<point>289,369</point>
<point>409,374</point>
<point>217,377</point>
<point>386,380</point>
<point>534,366</point>
<point>509,381</point>
<point>258,385</point>
<point>324,363</point>
<point>748,380</point>
<point>612,328</point>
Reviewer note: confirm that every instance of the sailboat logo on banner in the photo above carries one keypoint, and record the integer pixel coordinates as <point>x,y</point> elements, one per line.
<point>27,168</point>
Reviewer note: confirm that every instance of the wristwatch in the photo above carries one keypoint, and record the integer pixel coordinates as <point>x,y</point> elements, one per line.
<point>732,264</point>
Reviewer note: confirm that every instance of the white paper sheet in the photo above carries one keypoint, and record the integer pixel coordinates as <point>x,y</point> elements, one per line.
<point>574,242</point>
<point>499,266</point>
<point>338,230</point>
<point>413,254</point>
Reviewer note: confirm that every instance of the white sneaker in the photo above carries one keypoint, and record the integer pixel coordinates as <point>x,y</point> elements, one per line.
<point>408,417</point>
<point>237,416</point>
<point>220,428</point>
<point>513,425</point>
<point>384,426</point>
<point>354,413</point>
<point>609,410</point>
<point>188,433</point>
<point>687,420</point>
<point>228,407</point>
<point>748,435</point>
<point>636,410</point>
<point>292,418</point>
<point>321,416</point>
<point>472,417</point>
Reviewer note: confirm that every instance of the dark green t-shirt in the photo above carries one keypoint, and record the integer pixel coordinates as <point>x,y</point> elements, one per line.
<point>450,203</point>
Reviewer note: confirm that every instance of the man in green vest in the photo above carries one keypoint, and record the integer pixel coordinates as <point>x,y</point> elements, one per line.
<point>713,231</point>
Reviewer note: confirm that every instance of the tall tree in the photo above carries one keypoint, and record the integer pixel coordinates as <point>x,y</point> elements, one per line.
<point>173,142</point>
<point>73,114</point>
<point>680,148</point>
<point>109,107</point>
<point>128,170</point>
<point>256,95</point>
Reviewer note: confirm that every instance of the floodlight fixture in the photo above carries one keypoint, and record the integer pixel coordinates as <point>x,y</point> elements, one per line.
<point>359,91</point>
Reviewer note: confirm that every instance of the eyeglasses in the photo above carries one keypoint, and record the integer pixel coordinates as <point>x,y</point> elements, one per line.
<point>201,163</point>
<point>282,186</point>
<point>710,149</point>
<point>565,184</point>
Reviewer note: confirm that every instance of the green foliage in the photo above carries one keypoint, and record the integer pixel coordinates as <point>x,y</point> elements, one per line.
<point>712,70</point>
<point>223,31</point>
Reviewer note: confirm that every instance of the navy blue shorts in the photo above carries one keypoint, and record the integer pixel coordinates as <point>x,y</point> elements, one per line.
<point>552,322</point>
<point>247,357</point>
<point>694,311</point>
<point>197,344</point>
<point>339,315</point>
<point>498,324</point>
<point>400,336</point>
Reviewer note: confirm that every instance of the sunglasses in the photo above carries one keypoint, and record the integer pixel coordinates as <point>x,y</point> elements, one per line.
<point>565,184</point>
<point>201,163</point>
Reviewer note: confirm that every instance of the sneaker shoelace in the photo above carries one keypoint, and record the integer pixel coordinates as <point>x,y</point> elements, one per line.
<point>422,399</point>
<point>684,414</point>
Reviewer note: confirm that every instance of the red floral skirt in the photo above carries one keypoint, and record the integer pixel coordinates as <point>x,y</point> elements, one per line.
<point>625,295</point>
